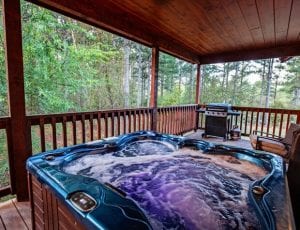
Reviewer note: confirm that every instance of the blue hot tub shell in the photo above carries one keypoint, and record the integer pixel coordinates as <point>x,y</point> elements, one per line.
<point>113,210</point>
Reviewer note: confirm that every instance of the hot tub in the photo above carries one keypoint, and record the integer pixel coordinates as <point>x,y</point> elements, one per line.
<point>147,180</point>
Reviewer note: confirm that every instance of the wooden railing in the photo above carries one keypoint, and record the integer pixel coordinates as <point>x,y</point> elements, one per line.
<point>5,149</point>
<point>58,130</point>
<point>176,119</point>
<point>272,121</point>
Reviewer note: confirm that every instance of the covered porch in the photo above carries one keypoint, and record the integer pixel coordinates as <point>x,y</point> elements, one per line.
<point>243,35</point>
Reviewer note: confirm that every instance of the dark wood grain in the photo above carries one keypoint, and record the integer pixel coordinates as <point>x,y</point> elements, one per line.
<point>21,148</point>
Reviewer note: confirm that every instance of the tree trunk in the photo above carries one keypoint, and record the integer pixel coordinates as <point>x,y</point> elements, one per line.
<point>202,82</point>
<point>126,73</point>
<point>262,84</point>
<point>269,80</point>
<point>275,89</point>
<point>139,79</point>
<point>223,80</point>
<point>233,99</point>
<point>227,85</point>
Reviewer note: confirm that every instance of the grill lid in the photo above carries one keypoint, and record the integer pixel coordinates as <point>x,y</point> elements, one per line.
<point>221,107</point>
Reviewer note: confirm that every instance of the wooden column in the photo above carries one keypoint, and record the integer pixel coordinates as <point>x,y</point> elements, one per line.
<point>198,80</point>
<point>16,96</point>
<point>298,118</point>
<point>154,86</point>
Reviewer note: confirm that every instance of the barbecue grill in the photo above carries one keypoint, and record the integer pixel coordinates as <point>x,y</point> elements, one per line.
<point>217,119</point>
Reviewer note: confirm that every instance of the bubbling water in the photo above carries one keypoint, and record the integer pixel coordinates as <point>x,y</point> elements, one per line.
<point>178,189</point>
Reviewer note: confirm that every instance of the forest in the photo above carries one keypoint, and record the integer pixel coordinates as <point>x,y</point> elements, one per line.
<point>70,66</point>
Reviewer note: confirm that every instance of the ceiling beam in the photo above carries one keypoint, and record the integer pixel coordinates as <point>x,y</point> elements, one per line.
<point>255,54</point>
<point>117,21</point>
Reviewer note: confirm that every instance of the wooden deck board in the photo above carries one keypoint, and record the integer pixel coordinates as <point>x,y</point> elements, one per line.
<point>242,143</point>
<point>15,215</point>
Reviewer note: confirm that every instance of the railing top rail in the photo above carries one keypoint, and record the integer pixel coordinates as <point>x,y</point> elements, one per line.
<point>69,114</point>
<point>177,106</point>
<point>274,110</point>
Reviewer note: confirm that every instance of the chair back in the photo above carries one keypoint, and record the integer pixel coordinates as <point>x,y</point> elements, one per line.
<point>295,148</point>
<point>293,178</point>
<point>288,139</point>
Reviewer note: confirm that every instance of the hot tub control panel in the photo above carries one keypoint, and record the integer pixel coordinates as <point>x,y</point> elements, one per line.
<point>83,201</point>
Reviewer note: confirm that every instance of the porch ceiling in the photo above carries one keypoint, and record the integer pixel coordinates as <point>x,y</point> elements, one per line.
<point>205,31</point>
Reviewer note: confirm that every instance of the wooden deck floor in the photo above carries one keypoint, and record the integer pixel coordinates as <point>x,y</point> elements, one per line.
<point>242,143</point>
<point>15,215</point>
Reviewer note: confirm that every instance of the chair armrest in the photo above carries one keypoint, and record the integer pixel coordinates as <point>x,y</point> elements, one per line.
<point>255,132</point>
<point>288,146</point>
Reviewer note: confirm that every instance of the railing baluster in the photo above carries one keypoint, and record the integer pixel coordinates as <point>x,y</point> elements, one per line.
<point>246,122</point>
<point>119,123</point>
<point>173,120</point>
<point>140,119</point>
<point>112,123</point>
<point>64,130</point>
<point>143,119</point>
<point>74,129</point>
<point>263,120</point>
<point>92,126</point>
<point>251,122</point>
<point>274,125</point>
<point>241,122</point>
<point>280,126</point>
<point>106,124</point>
<point>99,125</point>
<point>268,124</point>
<point>124,122</point>
<point>147,119</point>
<point>53,124</point>
<point>134,119</point>
<point>287,122</point>
<point>83,127</point>
<point>129,121</point>
<point>42,133</point>
<point>257,119</point>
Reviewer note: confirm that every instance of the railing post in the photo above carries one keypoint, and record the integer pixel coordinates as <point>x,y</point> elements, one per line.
<point>16,95</point>
<point>298,118</point>
<point>154,86</point>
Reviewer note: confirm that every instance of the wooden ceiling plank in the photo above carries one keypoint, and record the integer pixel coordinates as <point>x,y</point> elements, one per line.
<point>166,17</point>
<point>273,52</point>
<point>294,25</point>
<point>282,18</point>
<point>266,15</point>
<point>222,22</point>
<point>249,10</point>
<point>234,12</point>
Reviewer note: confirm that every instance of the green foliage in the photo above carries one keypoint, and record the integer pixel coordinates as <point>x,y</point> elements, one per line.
<point>176,81</point>
<point>70,66</point>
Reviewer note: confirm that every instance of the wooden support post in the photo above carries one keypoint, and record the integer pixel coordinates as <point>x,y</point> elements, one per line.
<point>154,86</point>
<point>198,80</point>
<point>16,95</point>
<point>298,118</point>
